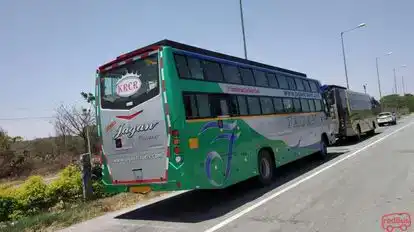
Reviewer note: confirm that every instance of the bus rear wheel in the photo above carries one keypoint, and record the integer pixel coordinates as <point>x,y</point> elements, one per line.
<point>266,167</point>
<point>323,152</point>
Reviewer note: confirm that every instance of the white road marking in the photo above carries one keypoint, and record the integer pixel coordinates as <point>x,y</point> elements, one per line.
<point>254,206</point>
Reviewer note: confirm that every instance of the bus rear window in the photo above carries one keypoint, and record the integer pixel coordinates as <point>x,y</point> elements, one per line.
<point>130,85</point>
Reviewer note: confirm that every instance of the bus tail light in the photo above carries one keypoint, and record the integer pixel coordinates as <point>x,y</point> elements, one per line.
<point>175,133</point>
<point>176,141</point>
<point>176,150</point>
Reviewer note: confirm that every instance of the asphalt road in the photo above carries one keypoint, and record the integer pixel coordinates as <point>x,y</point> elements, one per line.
<point>350,192</point>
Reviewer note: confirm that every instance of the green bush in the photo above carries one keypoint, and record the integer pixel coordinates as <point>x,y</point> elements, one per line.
<point>68,186</point>
<point>7,207</point>
<point>32,195</point>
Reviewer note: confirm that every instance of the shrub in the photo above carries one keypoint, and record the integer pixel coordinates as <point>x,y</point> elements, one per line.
<point>32,195</point>
<point>68,186</point>
<point>8,204</point>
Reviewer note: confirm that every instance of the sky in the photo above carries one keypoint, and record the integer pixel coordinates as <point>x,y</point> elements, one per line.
<point>49,50</point>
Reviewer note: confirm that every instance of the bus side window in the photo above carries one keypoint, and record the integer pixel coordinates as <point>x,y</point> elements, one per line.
<point>299,84</point>
<point>181,64</point>
<point>242,103</point>
<point>196,70</point>
<point>313,86</point>
<point>307,86</point>
<point>278,104</point>
<point>190,106</point>
<point>261,79</point>
<point>212,71</point>
<point>287,105</point>
<point>305,105</point>
<point>267,105</point>
<point>219,105</point>
<point>291,83</point>
<point>247,76</point>
<point>283,84</point>
<point>231,74</point>
<point>272,80</point>
<point>296,105</point>
<point>203,105</point>
<point>318,105</point>
<point>234,106</point>
<point>312,105</point>
<point>254,105</point>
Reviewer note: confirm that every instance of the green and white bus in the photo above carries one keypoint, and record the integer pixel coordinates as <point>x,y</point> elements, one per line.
<point>177,117</point>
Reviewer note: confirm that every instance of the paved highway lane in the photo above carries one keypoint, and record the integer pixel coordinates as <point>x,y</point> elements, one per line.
<point>350,192</point>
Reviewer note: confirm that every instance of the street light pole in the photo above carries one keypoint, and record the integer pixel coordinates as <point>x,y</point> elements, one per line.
<point>343,51</point>
<point>403,85</point>
<point>242,25</point>
<point>395,78</point>
<point>378,75</point>
<point>343,55</point>
<point>365,88</point>
<point>395,82</point>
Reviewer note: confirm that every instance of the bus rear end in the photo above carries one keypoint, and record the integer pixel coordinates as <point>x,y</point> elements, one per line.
<point>132,121</point>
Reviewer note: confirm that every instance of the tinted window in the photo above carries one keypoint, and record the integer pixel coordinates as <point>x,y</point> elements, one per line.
<point>190,106</point>
<point>272,80</point>
<point>117,95</point>
<point>254,105</point>
<point>282,81</point>
<point>299,84</point>
<point>247,76</point>
<point>212,71</point>
<point>278,104</point>
<point>318,105</point>
<point>287,105</point>
<point>291,83</point>
<point>231,74</point>
<point>194,65</point>
<point>261,79</point>
<point>313,86</point>
<point>203,105</point>
<point>305,105</point>
<point>296,105</point>
<point>307,86</point>
<point>181,63</point>
<point>241,100</point>
<point>311,105</point>
<point>234,106</point>
<point>219,105</point>
<point>267,105</point>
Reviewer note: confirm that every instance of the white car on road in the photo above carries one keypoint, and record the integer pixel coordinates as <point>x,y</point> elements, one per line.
<point>386,118</point>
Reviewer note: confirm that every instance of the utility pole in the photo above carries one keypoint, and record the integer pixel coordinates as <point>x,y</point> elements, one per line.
<point>365,88</point>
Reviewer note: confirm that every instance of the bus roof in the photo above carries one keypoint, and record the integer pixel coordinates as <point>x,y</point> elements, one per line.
<point>194,49</point>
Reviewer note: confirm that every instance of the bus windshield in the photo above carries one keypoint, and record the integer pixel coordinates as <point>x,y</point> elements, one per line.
<point>130,85</point>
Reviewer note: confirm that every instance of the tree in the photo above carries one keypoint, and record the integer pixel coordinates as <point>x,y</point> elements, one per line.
<point>6,141</point>
<point>73,121</point>
<point>89,97</point>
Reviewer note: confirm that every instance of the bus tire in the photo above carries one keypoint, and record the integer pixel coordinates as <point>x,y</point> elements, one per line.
<point>265,167</point>
<point>358,136</point>
<point>323,149</point>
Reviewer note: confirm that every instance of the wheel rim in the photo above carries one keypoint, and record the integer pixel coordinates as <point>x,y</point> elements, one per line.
<point>264,168</point>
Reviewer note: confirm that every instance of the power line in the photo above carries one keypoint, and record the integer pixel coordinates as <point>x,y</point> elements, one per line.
<point>24,118</point>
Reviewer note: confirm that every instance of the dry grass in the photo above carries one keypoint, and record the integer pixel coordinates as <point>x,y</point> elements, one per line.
<point>66,216</point>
